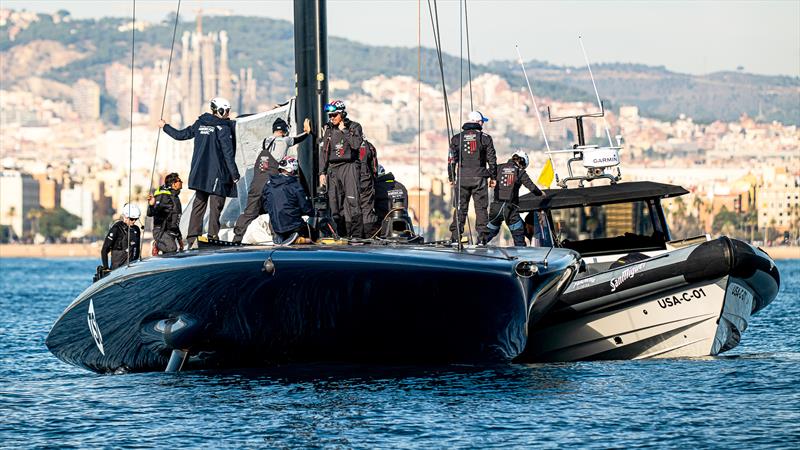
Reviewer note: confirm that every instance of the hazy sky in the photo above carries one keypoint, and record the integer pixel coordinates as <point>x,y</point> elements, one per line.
<point>685,36</point>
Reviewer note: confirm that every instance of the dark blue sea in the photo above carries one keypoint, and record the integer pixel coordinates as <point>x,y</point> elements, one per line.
<point>748,398</point>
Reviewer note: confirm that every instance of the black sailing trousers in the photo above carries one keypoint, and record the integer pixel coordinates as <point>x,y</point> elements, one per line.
<point>477,189</point>
<point>215,204</point>
<point>506,212</point>
<point>344,198</point>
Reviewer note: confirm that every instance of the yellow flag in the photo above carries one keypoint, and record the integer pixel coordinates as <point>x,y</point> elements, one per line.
<point>547,175</point>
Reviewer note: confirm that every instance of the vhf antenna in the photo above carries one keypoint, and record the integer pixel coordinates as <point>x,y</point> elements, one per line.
<point>596,94</point>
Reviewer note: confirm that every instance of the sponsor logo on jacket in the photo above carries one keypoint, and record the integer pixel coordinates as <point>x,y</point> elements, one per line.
<point>205,129</point>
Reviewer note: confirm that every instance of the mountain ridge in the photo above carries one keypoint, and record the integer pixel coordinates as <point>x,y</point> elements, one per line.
<point>657,91</point>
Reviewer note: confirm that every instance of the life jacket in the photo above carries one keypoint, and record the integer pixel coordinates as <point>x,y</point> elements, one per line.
<point>173,220</point>
<point>473,156</point>
<point>266,162</point>
<point>339,150</point>
<point>507,178</point>
<point>121,239</point>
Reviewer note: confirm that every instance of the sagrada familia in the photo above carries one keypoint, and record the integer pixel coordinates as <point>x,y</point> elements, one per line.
<point>204,77</point>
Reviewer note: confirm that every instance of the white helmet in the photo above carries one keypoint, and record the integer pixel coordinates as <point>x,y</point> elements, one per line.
<point>220,104</point>
<point>288,164</point>
<point>381,170</point>
<point>523,156</point>
<point>130,211</point>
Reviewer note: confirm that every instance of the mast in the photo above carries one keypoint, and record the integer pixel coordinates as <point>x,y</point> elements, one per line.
<point>311,81</point>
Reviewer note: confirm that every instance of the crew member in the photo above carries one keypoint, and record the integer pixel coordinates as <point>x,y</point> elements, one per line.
<point>286,202</point>
<point>213,173</point>
<point>273,149</point>
<point>387,192</point>
<point>164,206</point>
<point>505,206</point>
<point>472,164</point>
<point>340,169</point>
<point>123,239</point>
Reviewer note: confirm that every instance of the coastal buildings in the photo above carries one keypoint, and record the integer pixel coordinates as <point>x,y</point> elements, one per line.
<point>80,137</point>
<point>19,195</point>
<point>778,200</point>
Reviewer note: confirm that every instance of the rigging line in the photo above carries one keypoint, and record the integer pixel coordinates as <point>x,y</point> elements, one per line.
<point>166,88</point>
<point>437,39</point>
<point>419,114</point>
<point>130,148</point>
<point>461,108</point>
<point>599,103</point>
<point>451,127</point>
<point>535,107</point>
<point>469,58</point>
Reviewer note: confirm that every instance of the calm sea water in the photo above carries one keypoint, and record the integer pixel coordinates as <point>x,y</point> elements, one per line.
<point>749,397</point>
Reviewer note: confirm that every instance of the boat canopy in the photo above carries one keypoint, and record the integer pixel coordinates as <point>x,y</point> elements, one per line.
<point>599,195</point>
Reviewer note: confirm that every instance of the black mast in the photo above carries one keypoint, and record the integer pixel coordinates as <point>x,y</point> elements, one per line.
<point>311,81</point>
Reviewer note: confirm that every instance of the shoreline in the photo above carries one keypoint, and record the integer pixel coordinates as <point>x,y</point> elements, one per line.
<point>93,250</point>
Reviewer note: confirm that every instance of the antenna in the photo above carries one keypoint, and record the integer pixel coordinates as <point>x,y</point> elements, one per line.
<point>599,103</point>
<point>536,109</point>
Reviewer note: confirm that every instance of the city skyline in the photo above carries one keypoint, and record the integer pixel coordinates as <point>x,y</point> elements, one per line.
<point>689,37</point>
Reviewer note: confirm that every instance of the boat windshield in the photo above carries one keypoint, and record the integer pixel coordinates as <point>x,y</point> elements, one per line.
<point>612,228</point>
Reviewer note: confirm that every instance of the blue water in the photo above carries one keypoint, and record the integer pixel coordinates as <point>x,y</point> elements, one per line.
<point>749,397</point>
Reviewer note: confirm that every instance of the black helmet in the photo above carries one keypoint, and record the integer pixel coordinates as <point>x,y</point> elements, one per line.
<point>280,124</point>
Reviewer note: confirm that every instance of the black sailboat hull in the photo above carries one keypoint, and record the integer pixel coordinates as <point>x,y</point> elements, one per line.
<point>231,309</point>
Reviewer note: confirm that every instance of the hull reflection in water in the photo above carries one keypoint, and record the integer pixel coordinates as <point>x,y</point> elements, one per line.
<point>249,307</point>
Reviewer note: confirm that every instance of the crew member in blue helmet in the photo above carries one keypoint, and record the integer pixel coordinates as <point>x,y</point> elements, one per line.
<point>340,169</point>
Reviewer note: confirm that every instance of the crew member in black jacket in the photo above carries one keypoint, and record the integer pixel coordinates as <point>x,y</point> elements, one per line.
<point>340,169</point>
<point>213,173</point>
<point>286,202</point>
<point>164,206</point>
<point>273,149</point>
<point>123,239</point>
<point>510,176</point>
<point>473,151</point>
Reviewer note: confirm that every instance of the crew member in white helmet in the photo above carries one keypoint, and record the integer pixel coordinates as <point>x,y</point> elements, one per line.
<point>213,174</point>
<point>123,239</point>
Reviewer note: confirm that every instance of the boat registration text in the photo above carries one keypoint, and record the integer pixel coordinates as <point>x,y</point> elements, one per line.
<point>685,296</point>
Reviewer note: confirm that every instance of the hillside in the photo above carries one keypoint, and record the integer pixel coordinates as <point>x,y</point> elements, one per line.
<point>83,48</point>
